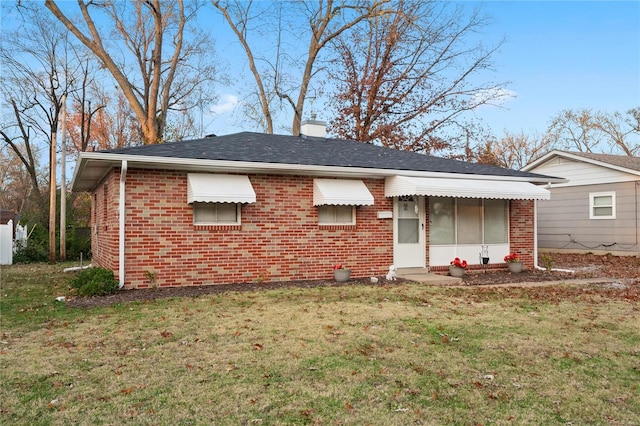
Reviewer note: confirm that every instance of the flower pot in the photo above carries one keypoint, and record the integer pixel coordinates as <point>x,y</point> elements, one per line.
<point>455,271</point>
<point>341,275</point>
<point>515,267</point>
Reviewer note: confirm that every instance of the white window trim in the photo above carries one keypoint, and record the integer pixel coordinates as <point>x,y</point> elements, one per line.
<point>237,222</point>
<point>593,195</point>
<point>353,216</point>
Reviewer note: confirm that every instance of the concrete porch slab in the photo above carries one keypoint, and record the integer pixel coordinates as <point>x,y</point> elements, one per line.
<point>421,275</point>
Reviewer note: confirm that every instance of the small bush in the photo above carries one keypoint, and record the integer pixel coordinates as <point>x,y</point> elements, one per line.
<point>547,261</point>
<point>30,252</point>
<point>94,282</point>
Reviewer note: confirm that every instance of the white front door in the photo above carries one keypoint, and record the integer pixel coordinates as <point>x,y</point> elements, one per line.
<point>408,232</point>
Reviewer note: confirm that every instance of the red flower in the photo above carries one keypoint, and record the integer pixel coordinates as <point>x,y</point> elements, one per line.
<point>459,263</point>
<point>512,258</point>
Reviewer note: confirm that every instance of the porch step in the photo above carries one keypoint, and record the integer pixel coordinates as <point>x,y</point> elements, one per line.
<point>422,275</point>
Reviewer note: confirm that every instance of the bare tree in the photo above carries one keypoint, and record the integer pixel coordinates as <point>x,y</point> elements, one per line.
<point>622,130</point>
<point>16,183</point>
<point>586,130</point>
<point>38,76</point>
<point>151,35</point>
<point>109,124</point>
<point>405,79</point>
<point>79,122</point>
<point>575,130</point>
<point>514,151</point>
<point>17,136</point>
<point>325,21</point>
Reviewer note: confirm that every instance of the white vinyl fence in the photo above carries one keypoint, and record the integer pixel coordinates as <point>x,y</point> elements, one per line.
<point>6,243</point>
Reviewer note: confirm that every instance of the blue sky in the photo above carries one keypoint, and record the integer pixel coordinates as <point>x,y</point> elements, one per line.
<point>564,55</point>
<point>557,55</point>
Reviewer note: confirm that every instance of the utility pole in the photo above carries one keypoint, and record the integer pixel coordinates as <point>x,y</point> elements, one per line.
<point>63,182</point>
<point>52,197</point>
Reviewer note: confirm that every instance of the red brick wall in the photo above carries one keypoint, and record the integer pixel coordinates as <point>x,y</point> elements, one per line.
<point>279,238</point>
<point>104,222</point>
<point>521,230</point>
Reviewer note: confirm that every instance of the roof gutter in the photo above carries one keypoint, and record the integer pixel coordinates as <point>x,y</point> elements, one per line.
<point>257,167</point>
<point>122,212</point>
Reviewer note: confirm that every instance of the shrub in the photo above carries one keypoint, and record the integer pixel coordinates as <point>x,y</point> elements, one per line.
<point>30,252</point>
<point>35,248</point>
<point>94,282</point>
<point>547,261</point>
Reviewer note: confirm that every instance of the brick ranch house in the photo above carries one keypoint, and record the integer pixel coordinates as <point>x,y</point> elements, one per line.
<point>252,207</point>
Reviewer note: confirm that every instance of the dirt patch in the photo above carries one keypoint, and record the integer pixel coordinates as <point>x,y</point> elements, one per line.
<point>623,270</point>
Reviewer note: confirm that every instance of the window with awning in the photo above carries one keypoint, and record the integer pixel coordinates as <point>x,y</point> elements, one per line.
<point>219,188</point>
<point>336,200</point>
<point>341,192</point>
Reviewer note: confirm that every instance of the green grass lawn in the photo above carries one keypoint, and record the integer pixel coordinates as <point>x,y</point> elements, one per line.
<point>403,354</point>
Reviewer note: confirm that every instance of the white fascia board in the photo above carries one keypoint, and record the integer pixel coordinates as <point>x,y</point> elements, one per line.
<point>540,160</point>
<point>579,158</point>
<point>192,164</point>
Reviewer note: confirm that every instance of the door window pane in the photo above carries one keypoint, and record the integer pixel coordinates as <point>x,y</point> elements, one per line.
<point>408,231</point>
<point>408,220</point>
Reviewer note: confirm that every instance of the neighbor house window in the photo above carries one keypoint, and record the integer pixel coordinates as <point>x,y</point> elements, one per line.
<point>216,213</point>
<point>336,215</point>
<point>468,221</point>
<point>602,205</point>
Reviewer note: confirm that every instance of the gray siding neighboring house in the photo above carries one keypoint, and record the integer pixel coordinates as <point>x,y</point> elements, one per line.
<point>596,210</point>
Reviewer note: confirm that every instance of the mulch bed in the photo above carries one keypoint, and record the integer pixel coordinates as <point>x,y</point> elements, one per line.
<point>149,294</point>
<point>586,266</point>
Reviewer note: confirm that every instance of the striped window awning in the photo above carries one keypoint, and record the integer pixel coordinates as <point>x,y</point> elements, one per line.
<point>219,188</point>
<point>341,192</point>
<point>396,186</point>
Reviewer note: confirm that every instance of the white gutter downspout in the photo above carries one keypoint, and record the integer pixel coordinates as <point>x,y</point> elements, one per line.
<point>535,234</point>
<point>121,212</point>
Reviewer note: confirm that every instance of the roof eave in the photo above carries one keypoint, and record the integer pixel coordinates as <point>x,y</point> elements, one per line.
<point>109,161</point>
<point>568,155</point>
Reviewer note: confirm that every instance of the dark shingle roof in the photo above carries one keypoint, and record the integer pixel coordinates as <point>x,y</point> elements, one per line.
<point>301,150</point>
<point>632,163</point>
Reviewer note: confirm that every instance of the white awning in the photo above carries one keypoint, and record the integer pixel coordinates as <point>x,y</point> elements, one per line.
<point>345,192</point>
<point>464,188</point>
<point>217,188</point>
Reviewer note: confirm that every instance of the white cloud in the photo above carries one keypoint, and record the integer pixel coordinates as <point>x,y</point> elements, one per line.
<point>497,96</point>
<point>226,104</point>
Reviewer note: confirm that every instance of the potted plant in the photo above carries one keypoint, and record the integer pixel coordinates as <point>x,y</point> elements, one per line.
<point>513,263</point>
<point>457,267</point>
<point>341,273</point>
